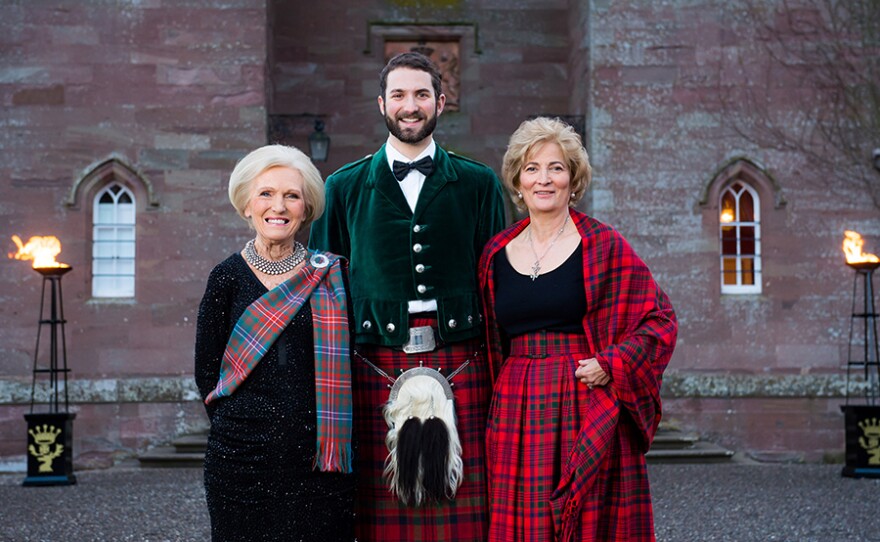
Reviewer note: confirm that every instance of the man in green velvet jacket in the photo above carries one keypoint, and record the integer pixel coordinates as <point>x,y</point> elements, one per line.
<point>413,219</point>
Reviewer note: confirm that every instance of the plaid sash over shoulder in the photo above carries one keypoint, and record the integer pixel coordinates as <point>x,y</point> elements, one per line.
<point>320,283</point>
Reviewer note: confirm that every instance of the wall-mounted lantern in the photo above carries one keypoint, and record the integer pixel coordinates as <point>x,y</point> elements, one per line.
<point>319,143</point>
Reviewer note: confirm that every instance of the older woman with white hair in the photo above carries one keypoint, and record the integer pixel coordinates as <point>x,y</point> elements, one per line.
<point>272,363</point>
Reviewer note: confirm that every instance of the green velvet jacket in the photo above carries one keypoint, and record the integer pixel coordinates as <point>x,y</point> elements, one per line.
<point>397,255</point>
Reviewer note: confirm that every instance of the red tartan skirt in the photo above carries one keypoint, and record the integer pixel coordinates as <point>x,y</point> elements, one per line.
<point>379,516</point>
<point>537,413</point>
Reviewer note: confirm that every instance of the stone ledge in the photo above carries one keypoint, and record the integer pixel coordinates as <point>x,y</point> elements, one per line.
<point>681,385</point>
<point>676,385</point>
<point>172,389</point>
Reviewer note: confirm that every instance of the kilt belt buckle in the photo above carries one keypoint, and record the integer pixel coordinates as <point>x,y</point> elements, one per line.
<point>421,339</point>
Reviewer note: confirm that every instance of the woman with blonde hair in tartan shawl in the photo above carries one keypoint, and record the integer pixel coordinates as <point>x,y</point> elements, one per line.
<point>272,363</point>
<point>580,336</point>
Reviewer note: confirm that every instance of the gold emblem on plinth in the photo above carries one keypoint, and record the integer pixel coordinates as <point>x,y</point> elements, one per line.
<point>44,438</point>
<point>871,441</point>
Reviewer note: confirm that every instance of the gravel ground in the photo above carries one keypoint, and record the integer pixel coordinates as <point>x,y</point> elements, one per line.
<point>728,502</point>
<point>761,503</point>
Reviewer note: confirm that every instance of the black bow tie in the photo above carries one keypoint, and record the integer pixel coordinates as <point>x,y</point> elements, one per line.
<point>424,166</point>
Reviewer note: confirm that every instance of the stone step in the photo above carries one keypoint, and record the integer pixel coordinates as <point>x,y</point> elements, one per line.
<point>195,443</point>
<point>169,457</point>
<point>670,446</point>
<point>673,440</point>
<point>699,452</point>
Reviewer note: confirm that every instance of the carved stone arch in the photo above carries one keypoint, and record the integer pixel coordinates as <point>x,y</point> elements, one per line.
<point>741,168</point>
<point>114,167</point>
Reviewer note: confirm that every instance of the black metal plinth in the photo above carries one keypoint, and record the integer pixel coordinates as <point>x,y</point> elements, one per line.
<point>862,441</point>
<point>50,449</point>
<point>50,434</point>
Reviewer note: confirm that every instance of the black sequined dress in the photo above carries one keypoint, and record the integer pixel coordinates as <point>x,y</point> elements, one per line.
<point>259,480</point>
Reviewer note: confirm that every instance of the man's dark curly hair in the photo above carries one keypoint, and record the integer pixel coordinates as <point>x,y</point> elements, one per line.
<point>413,61</point>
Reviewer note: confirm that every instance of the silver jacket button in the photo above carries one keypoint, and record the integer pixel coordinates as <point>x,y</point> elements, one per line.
<point>420,268</point>
<point>417,228</point>
<point>452,323</point>
<point>417,247</point>
<point>367,324</point>
<point>390,328</point>
<point>422,288</point>
<point>470,319</point>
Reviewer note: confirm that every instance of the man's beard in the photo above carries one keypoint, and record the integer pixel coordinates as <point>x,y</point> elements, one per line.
<point>408,136</point>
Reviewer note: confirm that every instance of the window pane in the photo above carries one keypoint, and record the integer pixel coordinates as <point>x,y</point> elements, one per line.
<point>100,287</point>
<point>126,250</point>
<point>125,267</point>
<point>747,241</point>
<point>103,250</point>
<point>125,214</point>
<point>106,214</point>
<point>728,207</point>
<point>125,233</point>
<point>728,273</point>
<point>728,240</point>
<point>748,271</point>
<point>104,267</point>
<point>126,287</point>
<point>103,234</point>
<point>746,207</point>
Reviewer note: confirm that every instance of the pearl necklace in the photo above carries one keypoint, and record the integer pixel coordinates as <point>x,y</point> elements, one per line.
<point>536,267</point>
<point>271,267</point>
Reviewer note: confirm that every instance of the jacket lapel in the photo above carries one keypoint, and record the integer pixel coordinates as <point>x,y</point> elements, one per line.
<point>382,180</point>
<point>443,173</point>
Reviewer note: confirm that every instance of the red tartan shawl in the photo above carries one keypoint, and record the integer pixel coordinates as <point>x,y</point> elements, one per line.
<point>631,330</point>
<point>320,282</point>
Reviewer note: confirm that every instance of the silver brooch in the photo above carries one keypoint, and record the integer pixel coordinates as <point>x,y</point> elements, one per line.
<point>319,261</point>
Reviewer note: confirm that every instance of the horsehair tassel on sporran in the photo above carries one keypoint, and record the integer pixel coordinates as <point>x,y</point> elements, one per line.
<point>424,461</point>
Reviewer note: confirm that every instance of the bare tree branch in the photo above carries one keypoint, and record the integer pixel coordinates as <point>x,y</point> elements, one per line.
<point>820,93</point>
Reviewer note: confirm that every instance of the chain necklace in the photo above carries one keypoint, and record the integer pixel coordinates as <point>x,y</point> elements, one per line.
<point>271,267</point>
<point>536,267</point>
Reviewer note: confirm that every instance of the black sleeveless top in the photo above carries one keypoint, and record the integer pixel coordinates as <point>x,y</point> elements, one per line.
<point>554,301</point>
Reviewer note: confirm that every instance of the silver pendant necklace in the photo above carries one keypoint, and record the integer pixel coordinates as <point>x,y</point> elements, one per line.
<point>536,267</point>
<point>271,267</point>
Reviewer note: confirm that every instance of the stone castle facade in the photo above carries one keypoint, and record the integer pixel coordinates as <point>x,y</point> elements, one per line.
<point>161,99</point>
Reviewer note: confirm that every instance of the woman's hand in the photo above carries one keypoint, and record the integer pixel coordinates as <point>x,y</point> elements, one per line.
<point>591,373</point>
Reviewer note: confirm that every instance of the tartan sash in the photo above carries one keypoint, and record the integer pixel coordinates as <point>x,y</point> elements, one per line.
<point>584,463</point>
<point>320,283</point>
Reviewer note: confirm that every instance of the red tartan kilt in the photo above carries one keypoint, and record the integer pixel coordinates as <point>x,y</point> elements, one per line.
<point>538,410</point>
<point>534,419</point>
<point>379,515</point>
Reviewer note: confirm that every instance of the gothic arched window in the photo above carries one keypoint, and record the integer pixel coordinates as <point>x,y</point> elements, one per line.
<point>740,231</point>
<point>113,242</point>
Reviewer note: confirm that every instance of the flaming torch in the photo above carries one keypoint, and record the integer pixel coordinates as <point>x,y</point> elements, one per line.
<point>862,421</point>
<point>855,258</point>
<point>42,250</point>
<point>50,434</point>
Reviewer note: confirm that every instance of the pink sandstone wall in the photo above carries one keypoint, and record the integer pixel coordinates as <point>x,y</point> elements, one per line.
<point>179,93</point>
